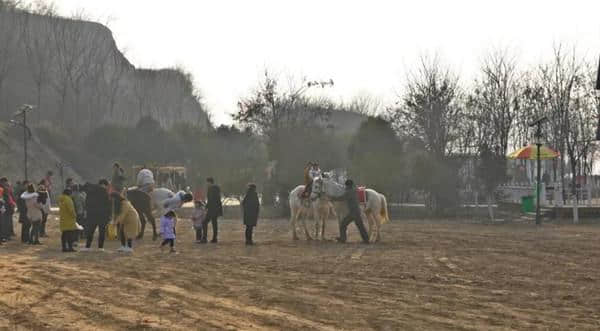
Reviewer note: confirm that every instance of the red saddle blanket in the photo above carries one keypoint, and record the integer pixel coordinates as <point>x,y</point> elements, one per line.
<point>362,194</point>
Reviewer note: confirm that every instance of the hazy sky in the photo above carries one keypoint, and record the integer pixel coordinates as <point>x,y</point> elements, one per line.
<point>364,46</point>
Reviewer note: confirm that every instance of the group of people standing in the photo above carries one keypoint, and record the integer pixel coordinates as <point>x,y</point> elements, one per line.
<point>33,205</point>
<point>83,209</point>
<point>209,211</point>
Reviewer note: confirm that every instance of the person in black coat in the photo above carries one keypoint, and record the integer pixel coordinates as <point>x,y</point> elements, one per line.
<point>354,213</point>
<point>214,209</point>
<point>251,207</point>
<point>98,211</point>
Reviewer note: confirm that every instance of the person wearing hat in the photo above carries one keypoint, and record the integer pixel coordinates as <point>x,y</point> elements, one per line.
<point>354,213</point>
<point>251,207</point>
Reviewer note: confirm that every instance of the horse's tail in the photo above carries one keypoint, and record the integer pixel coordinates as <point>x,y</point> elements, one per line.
<point>384,210</point>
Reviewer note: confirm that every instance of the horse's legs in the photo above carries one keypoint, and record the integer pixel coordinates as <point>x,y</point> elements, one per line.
<point>372,226</point>
<point>153,223</point>
<point>377,228</point>
<point>308,237</point>
<point>367,214</point>
<point>143,221</point>
<point>293,222</point>
<point>374,220</point>
<point>317,220</point>
<point>323,220</point>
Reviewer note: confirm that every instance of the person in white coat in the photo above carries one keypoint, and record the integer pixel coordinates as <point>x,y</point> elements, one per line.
<point>34,213</point>
<point>145,180</point>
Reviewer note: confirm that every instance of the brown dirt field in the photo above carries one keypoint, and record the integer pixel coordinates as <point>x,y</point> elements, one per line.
<point>424,275</point>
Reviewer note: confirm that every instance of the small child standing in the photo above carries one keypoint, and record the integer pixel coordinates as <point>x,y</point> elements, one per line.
<point>167,230</point>
<point>197,218</point>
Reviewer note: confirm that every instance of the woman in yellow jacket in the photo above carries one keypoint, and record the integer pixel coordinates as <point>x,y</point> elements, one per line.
<point>127,220</point>
<point>68,225</point>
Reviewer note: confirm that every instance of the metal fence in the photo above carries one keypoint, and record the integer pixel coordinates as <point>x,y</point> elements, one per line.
<point>552,195</point>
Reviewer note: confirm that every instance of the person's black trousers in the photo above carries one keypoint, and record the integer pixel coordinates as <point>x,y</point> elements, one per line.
<point>25,228</point>
<point>249,229</point>
<point>359,224</point>
<point>199,233</point>
<point>3,233</point>
<point>171,242</point>
<point>11,226</point>
<point>215,228</point>
<point>91,229</point>
<point>6,224</point>
<point>34,235</point>
<point>66,240</point>
<point>43,224</point>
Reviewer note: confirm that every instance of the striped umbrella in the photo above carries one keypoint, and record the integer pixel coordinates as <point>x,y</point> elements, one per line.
<point>530,153</point>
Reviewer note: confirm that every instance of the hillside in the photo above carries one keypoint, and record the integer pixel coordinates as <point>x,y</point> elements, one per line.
<point>74,72</point>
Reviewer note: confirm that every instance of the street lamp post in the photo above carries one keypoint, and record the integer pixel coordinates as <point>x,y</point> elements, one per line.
<point>538,143</point>
<point>26,131</point>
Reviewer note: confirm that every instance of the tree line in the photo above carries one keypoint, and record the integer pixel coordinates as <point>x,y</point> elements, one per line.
<point>438,124</point>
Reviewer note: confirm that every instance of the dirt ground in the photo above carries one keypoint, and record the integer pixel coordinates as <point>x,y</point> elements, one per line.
<point>424,275</point>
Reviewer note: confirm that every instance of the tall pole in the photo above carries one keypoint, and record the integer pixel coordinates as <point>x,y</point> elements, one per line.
<point>538,221</point>
<point>25,138</point>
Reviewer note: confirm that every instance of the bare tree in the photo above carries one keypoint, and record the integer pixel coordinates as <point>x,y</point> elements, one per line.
<point>38,50</point>
<point>563,82</point>
<point>272,113</point>
<point>495,98</point>
<point>430,109</point>
<point>365,104</point>
<point>66,42</point>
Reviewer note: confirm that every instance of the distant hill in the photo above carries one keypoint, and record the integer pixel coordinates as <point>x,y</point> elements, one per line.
<point>74,72</point>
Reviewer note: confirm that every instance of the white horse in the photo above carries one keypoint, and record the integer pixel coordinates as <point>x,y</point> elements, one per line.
<point>375,208</point>
<point>320,208</point>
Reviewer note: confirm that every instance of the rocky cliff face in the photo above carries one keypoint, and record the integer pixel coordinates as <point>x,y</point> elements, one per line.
<point>74,72</point>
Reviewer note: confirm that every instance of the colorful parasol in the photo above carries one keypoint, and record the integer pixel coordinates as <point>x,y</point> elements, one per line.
<point>530,153</point>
